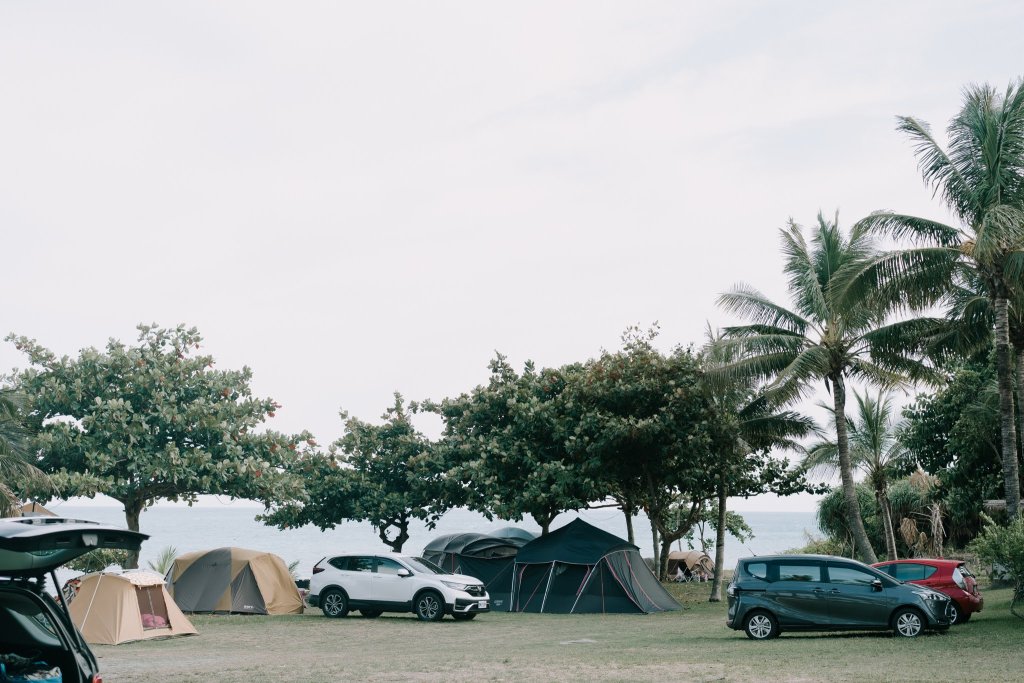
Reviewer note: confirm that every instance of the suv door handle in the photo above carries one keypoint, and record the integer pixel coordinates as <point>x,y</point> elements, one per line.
<point>818,590</point>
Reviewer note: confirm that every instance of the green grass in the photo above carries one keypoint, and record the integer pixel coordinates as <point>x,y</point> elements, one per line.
<point>692,645</point>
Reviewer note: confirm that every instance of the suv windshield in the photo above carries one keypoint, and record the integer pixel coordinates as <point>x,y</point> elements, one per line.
<point>424,566</point>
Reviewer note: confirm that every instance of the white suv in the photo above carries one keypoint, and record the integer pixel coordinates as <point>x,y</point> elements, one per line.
<point>389,582</point>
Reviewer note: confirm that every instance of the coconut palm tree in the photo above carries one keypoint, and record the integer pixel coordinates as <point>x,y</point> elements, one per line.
<point>980,176</point>
<point>762,425</point>
<point>875,450</point>
<point>16,469</point>
<point>824,338</point>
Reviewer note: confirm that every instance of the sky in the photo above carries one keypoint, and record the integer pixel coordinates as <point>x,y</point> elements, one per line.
<point>355,199</point>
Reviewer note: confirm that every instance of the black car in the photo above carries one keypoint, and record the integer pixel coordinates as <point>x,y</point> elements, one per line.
<point>770,595</point>
<point>35,632</point>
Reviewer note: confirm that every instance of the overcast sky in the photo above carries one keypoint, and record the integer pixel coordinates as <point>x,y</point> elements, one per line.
<point>360,198</point>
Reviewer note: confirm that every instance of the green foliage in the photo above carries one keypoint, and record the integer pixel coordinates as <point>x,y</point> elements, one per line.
<point>820,545</point>
<point>165,560</point>
<point>18,474</point>
<point>1004,545</point>
<point>98,560</point>
<point>152,421</point>
<point>386,474</point>
<point>954,433</point>
<point>510,445</point>
<point>702,534</point>
<point>833,519</point>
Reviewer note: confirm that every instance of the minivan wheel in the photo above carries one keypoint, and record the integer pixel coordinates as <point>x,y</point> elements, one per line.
<point>334,603</point>
<point>430,606</point>
<point>907,623</point>
<point>761,626</point>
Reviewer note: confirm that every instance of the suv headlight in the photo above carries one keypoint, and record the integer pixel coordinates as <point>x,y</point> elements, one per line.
<point>454,585</point>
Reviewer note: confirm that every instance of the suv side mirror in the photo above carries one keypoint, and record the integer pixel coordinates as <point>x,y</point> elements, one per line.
<point>405,573</point>
<point>876,585</point>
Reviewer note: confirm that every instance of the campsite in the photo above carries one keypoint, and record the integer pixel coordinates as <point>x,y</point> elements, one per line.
<point>692,644</point>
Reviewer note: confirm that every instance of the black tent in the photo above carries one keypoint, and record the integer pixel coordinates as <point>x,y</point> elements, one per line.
<point>579,569</point>
<point>487,558</point>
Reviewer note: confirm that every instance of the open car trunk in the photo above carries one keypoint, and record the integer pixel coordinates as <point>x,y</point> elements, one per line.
<point>32,625</point>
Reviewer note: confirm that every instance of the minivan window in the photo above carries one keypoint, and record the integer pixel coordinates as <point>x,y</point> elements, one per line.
<point>799,572</point>
<point>850,575</point>
<point>759,570</point>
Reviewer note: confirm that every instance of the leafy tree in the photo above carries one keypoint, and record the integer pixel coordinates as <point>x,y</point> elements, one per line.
<point>1004,545</point>
<point>980,176</point>
<point>875,449</point>
<point>647,422</point>
<point>385,474</point>
<point>508,446</point>
<point>954,433</point>
<point>152,421</point>
<point>98,560</point>
<point>825,338</point>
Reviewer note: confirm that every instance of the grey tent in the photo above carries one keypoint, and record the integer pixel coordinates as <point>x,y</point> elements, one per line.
<point>582,569</point>
<point>233,580</point>
<point>514,532</point>
<point>486,557</point>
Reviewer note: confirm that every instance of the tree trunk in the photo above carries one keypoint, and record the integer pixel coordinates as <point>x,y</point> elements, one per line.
<point>628,510</point>
<point>655,544</point>
<point>132,512</point>
<point>1011,476</point>
<point>716,584</point>
<point>890,534</point>
<point>398,541</point>
<point>1020,398</point>
<point>856,522</point>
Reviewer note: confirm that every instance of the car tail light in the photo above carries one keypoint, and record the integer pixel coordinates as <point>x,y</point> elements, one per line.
<point>317,570</point>
<point>958,579</point>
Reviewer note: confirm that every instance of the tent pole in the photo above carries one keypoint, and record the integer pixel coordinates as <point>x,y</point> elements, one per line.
<point>583,587</point>
<point>547,589</point>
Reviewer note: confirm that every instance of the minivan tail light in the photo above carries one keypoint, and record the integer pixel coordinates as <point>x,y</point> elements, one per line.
<point>317,570</point>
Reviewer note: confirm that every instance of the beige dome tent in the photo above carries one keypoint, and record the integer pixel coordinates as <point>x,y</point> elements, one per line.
<point>690,561</point>
<point>121,607</point>
<point>233,580</point>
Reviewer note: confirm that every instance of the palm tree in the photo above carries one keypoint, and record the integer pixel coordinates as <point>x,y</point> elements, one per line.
<point>824,338</point>
<point>875,449</point>
<point>762,425</point>
<point>980,177</point>
<point>16,469</point>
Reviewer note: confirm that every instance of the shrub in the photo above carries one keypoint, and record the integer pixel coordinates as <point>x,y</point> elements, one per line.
<point>1004,545</point>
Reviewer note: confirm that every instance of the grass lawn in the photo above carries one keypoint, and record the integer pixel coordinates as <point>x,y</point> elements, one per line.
<point>692,645</point>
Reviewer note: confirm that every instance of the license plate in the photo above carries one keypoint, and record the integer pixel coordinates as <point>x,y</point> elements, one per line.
<point>482,604</point>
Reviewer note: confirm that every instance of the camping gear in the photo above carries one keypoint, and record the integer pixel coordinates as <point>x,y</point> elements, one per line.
<point>233,580</point>
<point>482,556</point>
<point>121,607</point>
<point>690,563</point>
<point>582,569</point>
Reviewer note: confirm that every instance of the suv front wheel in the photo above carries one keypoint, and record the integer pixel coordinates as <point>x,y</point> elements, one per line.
<point>430,606</point>
<point>334,603</point>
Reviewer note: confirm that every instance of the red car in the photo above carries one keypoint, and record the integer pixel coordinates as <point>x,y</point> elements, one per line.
<point>946,576</point>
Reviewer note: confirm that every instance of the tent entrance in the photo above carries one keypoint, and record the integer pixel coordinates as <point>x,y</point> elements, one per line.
<point>152,608</point>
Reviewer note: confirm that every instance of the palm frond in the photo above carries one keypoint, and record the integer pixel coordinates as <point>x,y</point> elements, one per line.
<point>917,230</point>
<point>748,303</point>
<point>943,174</point>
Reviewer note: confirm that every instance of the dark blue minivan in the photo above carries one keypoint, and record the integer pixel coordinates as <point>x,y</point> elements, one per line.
<point>769,595</point>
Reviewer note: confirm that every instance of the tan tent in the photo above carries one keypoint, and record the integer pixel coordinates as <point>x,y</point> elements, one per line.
<point>33,509</point>
<point>121,607</point>
<point>233,580</point>
<point>690,561</point>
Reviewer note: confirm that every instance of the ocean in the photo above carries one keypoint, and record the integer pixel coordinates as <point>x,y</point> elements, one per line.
<point>211,526</point>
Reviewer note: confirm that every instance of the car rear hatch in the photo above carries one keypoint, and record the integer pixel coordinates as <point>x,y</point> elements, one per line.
<point>32,546</point>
